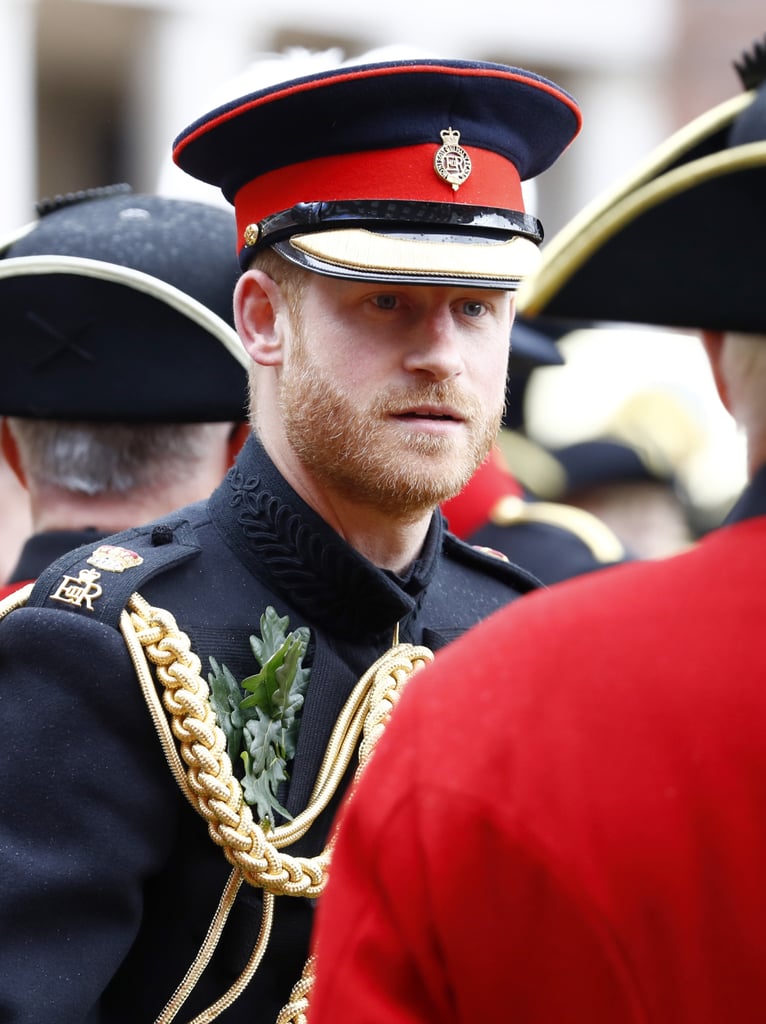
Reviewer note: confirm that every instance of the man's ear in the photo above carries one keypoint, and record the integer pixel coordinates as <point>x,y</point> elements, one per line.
<point>713,342</point>
<point>11,451</point>
<point>260,316</point>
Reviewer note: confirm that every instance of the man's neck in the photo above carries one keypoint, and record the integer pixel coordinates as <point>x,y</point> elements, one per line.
<point>55,509</point>
<point>391,544</point>
<point>388,539</point>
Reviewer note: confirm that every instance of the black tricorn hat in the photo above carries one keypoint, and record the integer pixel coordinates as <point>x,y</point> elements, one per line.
<point>606,460</point>
<point>405,170</point>
<point>678,243</point>
<point>117,307</point>
<point>533,345</point>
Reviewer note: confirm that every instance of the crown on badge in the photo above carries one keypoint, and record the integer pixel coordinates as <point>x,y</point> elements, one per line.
<point>451,161</point>
<point>450,137</point>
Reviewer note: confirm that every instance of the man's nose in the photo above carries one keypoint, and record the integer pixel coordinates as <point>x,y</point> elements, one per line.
<point>434,347</point>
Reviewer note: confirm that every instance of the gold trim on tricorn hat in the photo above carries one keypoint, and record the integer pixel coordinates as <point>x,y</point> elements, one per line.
<point>578,238</point>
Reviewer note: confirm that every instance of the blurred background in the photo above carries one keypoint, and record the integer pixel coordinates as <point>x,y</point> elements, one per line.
<point>94,91</point>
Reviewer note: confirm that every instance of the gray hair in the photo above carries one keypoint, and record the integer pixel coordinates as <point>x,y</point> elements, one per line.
<point>109,458</point>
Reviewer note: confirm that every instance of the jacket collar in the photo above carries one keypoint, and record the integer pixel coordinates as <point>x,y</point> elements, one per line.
<point>287,545</point>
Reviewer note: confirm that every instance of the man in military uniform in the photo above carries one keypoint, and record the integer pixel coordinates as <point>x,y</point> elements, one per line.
<point>382,237</point>
<point>102,303</point>
<point>613,864</point>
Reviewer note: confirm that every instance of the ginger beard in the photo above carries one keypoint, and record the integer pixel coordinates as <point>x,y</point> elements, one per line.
<point>356,450</point>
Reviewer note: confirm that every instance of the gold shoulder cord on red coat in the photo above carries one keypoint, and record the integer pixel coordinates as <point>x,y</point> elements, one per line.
<point>195,749</point>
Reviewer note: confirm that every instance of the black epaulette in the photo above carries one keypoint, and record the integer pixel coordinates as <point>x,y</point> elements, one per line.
<point>493,562</point>
<point>97,579</point>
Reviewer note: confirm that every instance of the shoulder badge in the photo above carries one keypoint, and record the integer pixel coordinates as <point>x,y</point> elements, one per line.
<point>488,560</point>
<point>97,580</point>
<point>113,558</point>
<point>491,552</point>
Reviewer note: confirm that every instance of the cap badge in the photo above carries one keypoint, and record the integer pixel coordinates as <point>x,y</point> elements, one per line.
<point>114,559</point>
<point>451,161</point>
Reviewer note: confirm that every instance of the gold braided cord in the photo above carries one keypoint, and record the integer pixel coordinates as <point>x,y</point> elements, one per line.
<point>202,745</point>
<point>156,710</point>
<point>203,769</point>
<point>217,793</point>
<point>385,694</point>
<point>15,599</point>
<point>203,957</point>
<point>205,953</point>
<point>386,691</point>
<point>294,1011</point>
<point>366,711</point>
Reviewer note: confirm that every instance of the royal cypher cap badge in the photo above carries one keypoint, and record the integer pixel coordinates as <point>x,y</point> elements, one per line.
<point>451,161</point>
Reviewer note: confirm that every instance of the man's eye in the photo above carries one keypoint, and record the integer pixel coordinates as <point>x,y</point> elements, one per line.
<point>474,308</point>
<point>386,301</point>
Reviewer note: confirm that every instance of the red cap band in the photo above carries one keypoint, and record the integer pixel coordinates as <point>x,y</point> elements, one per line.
<point>401,174</point>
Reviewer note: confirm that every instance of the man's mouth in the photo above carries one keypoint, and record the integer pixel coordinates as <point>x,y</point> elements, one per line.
<point>429,413</point>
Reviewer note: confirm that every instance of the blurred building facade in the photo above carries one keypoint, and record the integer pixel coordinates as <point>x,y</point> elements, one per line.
<point>95,90</point>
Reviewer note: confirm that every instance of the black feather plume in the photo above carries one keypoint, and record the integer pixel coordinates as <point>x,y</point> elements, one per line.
<point>751,67</point>
<point>46,206</point>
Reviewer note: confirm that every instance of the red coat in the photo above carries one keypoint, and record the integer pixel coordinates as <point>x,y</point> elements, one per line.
<point>565,822</point>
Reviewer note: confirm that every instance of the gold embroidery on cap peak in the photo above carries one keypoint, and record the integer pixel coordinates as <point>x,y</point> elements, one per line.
<point>451,161</point>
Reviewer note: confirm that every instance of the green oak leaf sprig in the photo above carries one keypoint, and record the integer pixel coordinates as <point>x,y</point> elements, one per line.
<point>260,715</point>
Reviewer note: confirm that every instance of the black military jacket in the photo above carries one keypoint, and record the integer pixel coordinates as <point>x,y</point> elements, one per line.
<point>108,878</point>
